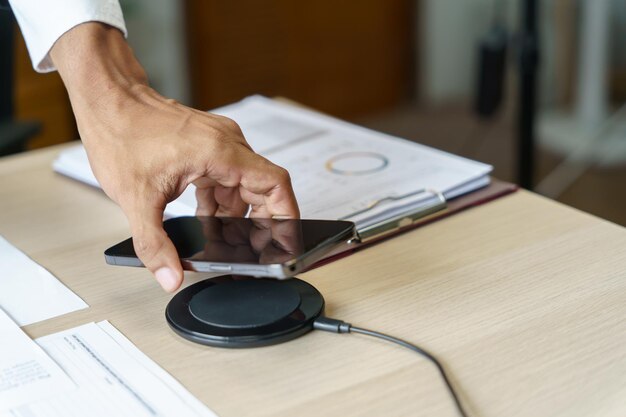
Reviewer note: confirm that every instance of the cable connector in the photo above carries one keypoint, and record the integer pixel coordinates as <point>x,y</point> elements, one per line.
<point>331,325</point>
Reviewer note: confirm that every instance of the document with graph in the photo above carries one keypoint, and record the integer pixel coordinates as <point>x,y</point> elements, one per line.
<point>338,170</point>
<point>108,375</point>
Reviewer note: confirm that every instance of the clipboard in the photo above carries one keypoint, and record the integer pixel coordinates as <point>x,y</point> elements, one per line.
<point>403,224</point>
<point>395,223</point>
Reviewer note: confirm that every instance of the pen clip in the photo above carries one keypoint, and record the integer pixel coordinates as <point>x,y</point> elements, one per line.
<point>402,220</point>
<point>375,203</point>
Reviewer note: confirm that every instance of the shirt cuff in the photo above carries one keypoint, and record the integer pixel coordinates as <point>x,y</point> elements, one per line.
<point>44,22</point>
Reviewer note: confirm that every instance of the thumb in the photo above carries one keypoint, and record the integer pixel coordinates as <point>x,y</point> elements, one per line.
<point>154,248</point>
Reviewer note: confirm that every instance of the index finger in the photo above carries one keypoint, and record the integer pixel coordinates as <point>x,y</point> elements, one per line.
<point>262,184</point>
<point>269,191</point>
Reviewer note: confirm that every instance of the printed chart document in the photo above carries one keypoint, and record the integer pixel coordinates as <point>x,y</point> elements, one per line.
<point>27,373</point>
<point>338,170</point>
<point>113,378</point>
<point>28,292</point>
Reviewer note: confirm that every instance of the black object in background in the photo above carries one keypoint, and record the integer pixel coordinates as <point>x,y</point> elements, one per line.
<point>13,134</point>
<point>490,82</point>
<point>491,68</point>
<point>528,65</point>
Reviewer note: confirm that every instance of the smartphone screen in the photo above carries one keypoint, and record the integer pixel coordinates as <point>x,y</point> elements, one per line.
<point>228,244</point>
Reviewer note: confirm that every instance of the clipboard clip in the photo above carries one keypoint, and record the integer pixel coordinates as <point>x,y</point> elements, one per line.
<point>400,221</point>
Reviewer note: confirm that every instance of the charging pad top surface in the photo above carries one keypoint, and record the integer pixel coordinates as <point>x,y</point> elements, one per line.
<point>244,304</point>
<point>233,311</point>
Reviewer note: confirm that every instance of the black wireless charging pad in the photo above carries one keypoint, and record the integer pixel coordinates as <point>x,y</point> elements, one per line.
<point>239,312</point>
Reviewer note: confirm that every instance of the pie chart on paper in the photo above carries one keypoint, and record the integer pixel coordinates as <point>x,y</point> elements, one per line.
<point>357,163</point>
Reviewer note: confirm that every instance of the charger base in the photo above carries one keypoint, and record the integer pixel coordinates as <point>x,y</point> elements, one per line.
<point>239,312</point>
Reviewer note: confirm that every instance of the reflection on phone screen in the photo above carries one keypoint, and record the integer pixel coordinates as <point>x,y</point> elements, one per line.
<point>223,239</point>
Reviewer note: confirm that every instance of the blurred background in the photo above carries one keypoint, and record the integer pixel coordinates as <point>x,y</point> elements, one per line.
<point>446,73</point>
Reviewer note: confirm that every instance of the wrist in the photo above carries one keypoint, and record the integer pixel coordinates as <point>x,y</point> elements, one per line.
<point>97,64</point>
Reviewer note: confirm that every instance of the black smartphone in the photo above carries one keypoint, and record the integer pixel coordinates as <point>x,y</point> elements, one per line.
<point>243,246</point>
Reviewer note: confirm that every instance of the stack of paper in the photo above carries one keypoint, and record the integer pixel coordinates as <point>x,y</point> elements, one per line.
<point>98,372</point>
<point>338,170</point>
<point>91,370</point>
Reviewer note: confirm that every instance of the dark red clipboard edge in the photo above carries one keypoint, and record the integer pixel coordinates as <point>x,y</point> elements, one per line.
<point>494,190</point>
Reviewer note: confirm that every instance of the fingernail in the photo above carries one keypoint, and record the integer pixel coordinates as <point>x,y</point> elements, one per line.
<point>167,278</point>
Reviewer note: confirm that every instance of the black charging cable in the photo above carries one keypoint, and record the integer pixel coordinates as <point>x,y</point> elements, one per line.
<point>338,326</point>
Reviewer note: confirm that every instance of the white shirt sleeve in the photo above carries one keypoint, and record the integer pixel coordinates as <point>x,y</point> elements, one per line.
<point>44,21</point>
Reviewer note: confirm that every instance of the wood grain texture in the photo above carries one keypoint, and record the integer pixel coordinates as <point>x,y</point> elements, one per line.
<point>522,299</point>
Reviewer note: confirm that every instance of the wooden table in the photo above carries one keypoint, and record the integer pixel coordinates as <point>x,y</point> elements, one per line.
<point>523,299</point>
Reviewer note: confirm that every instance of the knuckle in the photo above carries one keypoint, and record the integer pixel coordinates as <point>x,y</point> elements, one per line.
<point>283,175</point>
<point>234,126</point>
<point>229,127</point>
<point>229,123</point>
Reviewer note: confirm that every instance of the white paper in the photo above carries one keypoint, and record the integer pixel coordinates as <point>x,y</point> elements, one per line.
<point>192,402</point>
<point>113,377</point>
<point>336,168</point>
<point>27,374</point>
<point>28,292</point>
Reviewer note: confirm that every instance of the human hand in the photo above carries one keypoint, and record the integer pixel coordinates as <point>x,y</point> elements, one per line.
<point>145,149</point>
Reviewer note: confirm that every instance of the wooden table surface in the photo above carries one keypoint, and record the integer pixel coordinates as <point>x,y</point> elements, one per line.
<point>522,299</point>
